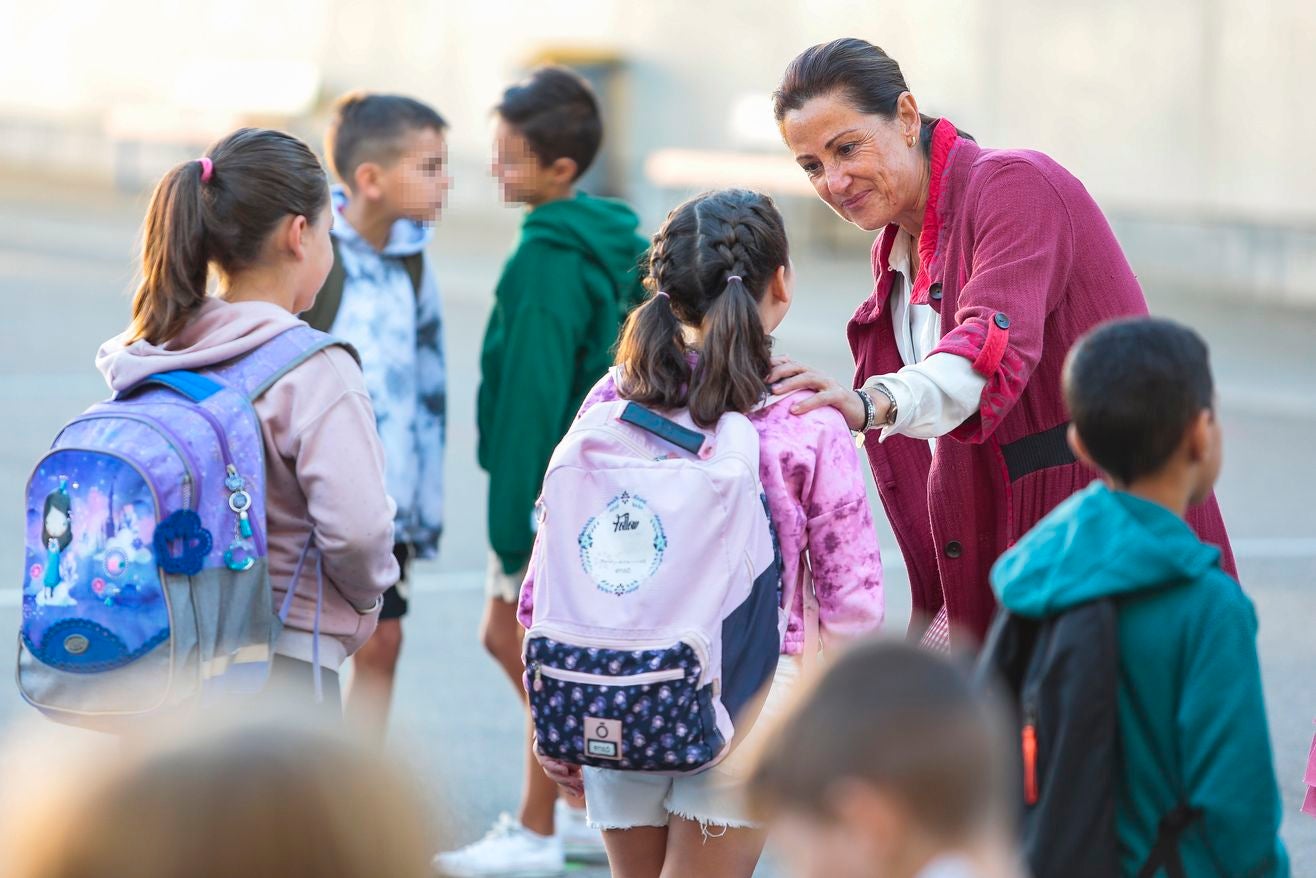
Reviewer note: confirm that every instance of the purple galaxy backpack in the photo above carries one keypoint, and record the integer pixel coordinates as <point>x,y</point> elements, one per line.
<point>146,587</point>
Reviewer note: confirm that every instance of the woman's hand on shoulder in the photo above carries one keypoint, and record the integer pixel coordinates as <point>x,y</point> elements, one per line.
<point>788,376</point>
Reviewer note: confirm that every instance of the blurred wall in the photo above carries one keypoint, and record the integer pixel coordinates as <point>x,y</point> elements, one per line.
<point>1190,120</point>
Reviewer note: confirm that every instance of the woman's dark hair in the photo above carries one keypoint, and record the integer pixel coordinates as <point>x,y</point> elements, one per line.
<point>869,79</point>
<point>58,500</point>
<point>257,178</point>
<point>728,234</point>
<point>555,110</point>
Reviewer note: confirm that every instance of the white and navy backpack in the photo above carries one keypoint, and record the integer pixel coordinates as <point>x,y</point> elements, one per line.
<point>657,592</point>
<point>145,587</point>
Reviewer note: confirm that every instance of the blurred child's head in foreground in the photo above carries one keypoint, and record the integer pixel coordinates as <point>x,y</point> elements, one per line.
<point>257,800</point>
<point>888,761</point>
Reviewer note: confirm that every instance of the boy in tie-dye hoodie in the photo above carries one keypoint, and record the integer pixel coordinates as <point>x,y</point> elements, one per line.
<point>390,153</point>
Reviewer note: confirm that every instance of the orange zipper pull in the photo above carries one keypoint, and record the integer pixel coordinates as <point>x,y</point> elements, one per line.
<point>1030,762</point>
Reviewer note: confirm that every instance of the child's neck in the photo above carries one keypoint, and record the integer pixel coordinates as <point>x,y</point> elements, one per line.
<point>554,195</point>
<point>261,284</point>
<point>1170,488</point>
<point>372,223</point>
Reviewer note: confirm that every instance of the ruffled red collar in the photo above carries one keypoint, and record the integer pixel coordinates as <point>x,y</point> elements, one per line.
<point>944,138</point>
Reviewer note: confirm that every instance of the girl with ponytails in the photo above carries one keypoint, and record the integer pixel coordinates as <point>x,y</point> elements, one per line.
<point>720,283</point>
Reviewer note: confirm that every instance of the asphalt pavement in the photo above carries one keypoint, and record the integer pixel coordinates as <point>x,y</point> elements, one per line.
<point>66,265</point>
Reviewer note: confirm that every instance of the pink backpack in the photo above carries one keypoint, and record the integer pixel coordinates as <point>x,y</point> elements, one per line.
<point>657,617</point>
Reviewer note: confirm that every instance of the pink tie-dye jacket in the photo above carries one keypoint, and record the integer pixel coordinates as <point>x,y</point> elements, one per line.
<point>815,489</point>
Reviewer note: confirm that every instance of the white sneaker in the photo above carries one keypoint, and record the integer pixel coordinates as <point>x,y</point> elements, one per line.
<point>580,842</point>
<point>509,850</point>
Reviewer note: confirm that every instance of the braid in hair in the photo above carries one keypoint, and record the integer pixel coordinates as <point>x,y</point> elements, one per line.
<point>652,351</point>
<point>709,266</point>
<point>744,237</point>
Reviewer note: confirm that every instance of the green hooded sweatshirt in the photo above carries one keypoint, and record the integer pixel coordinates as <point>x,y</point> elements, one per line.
<point>557,310</point>
<point>1192,719</point>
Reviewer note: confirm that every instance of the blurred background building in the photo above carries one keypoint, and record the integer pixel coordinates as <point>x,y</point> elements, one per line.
<point>1190,120</point>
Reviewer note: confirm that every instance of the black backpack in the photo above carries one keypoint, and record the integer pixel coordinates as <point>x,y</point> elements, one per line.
<point>1062,676</point>
<point>322,314</point>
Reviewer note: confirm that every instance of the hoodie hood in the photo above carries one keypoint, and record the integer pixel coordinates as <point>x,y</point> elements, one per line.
<point>602,229</point>
<point>220,331</point>
<point>1098,543</point>
<point>406,238</point>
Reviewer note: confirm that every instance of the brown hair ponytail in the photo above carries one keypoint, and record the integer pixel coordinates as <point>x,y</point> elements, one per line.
<point>737,356</point>
<point>174,262</point>
<point>709,266</point>
<point>256,177</point>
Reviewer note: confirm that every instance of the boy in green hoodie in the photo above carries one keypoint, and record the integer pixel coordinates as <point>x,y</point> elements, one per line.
<point>1191,715</point>
<point>558,307</point>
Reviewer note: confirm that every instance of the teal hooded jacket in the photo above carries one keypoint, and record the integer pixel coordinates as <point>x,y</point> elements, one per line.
<point>559,304</point>
<point>1192,718</point>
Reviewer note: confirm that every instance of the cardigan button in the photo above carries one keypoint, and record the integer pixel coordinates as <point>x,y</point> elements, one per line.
<point>1001,320</point>
<point>934,291</point>
<point>954,549</point>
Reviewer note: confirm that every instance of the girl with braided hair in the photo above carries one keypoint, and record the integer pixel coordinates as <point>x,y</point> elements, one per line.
<point>720,282</point>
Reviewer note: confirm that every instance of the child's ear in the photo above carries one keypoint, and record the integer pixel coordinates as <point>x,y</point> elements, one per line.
<point>779,288</point>
<point>563,171</point>
<point>365,180</point>
<point>296,237</point>
<point>1080,450</point>
<point>1201,436</point>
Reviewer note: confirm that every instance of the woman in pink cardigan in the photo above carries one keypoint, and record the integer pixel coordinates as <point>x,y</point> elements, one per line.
<point>988,265</point>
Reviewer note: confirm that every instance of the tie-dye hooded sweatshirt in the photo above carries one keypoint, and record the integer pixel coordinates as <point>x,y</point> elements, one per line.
<point>815,488</point>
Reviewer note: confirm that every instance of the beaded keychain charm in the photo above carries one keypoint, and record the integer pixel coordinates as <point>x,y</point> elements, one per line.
<point>240,554</point>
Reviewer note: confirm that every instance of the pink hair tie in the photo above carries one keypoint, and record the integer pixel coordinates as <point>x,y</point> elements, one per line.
<point>207,168</point>
<point>735,277</point>
<point>664,295</point>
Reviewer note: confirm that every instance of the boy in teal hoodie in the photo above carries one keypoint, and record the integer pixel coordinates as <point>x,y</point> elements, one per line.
<point>1191,715</point>
<point>558,307</point>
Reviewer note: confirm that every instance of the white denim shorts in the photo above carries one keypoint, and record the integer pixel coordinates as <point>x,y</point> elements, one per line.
<point>502,586</point>
<point>713,798</point>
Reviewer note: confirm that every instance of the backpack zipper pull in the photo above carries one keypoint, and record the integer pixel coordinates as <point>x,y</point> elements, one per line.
<point>1030,758</point>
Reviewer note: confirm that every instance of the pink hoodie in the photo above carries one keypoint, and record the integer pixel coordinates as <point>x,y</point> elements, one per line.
<point>815,491</point>
<point>324,468</point>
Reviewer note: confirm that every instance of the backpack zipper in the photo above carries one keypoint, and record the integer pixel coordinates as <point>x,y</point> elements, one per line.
<point>646,454</point>
<point>542,670</point>
<point>181,450</point>
<point>230,467</point>
<point>692,638</point>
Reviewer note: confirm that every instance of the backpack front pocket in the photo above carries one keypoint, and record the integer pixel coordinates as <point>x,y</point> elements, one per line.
<point>627,709</point>
<point>93,594</point>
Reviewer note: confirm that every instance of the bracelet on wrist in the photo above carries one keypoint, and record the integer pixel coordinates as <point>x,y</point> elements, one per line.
<point>870,410</point>
<point>892,411</point>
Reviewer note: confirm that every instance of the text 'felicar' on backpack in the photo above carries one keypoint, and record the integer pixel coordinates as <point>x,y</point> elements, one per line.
<point>145,586</point>
<point>656,618</point>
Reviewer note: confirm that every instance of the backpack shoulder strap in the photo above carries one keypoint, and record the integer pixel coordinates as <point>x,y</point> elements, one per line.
<point>414,263</point>
<point>1165,850</point>
<point>321,315</point>
<point>256,371</point>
